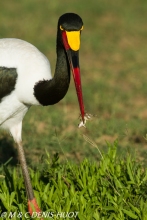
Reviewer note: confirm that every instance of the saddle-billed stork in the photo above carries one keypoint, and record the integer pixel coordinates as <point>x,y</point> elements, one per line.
<point>26,80</point>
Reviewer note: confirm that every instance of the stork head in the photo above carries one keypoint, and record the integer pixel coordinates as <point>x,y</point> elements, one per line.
<point>70,26</point>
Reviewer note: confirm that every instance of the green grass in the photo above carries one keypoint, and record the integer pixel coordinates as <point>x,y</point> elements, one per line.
<point>113,189</point>
<point>113,69</point>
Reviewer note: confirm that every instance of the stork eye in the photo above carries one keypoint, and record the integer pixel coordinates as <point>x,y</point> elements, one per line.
<point>61,28</point>
<point>81,28</point>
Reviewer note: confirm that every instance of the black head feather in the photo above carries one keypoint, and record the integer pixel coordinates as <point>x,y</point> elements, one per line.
<point>70,22</point>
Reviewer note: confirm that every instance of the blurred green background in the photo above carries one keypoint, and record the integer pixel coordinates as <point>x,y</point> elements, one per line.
<point>113,65</point>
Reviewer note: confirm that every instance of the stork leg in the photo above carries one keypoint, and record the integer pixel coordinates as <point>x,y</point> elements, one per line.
<point>32,204</point>
<point>16,133</point>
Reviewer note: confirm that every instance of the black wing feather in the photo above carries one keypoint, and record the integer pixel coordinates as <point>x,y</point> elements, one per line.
<point>8,77</point>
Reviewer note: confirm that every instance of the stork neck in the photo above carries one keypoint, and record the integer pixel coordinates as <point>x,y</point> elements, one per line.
<point>49,92</point>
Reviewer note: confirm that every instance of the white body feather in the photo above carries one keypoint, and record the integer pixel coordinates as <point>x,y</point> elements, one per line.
<point>32,66</point>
